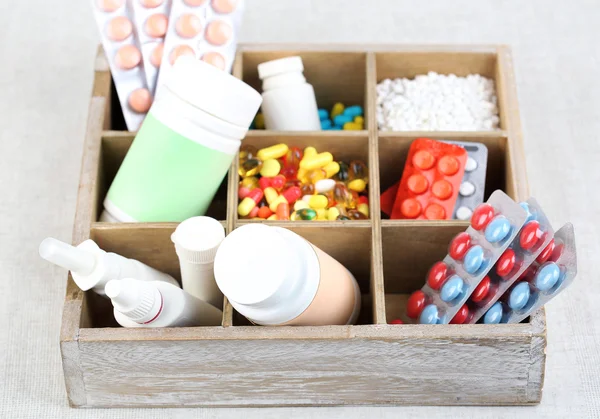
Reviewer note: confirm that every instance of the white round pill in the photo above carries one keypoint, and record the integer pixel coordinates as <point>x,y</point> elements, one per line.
<point>324,185</point>
<point>471,164</point>
<point>463,213</point>
<point>466,189</point>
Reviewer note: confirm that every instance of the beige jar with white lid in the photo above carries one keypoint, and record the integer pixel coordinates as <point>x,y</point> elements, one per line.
<point>272,276</point>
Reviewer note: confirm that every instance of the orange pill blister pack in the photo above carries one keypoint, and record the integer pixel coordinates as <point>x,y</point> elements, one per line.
<point>206,29</point>
<point>430,181</point>
<point>119,39</point>
<point>151,20</point>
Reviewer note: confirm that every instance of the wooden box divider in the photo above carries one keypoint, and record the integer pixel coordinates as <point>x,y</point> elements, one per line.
<point>238,364</point>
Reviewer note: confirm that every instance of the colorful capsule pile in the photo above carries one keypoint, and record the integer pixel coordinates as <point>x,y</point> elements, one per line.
<point>342,118</point>
<point>288,183</point>
<point>339,118</point>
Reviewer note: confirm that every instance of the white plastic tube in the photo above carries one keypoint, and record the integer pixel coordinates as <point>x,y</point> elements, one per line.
<point>92,267</point>
<point>158,304</point>
<point>196,242</point>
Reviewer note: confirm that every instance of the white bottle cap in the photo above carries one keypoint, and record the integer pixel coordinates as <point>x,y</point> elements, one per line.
<point>280,66</point>
<point>197,239</point>
<point>76,260</point>
<point>214,91</point>
<point>269,274</point>
<point>140,301</point>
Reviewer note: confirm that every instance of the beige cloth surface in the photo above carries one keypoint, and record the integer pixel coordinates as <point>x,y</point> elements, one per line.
<point>47,50</point>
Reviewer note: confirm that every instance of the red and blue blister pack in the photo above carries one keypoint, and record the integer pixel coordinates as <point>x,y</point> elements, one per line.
<point>430,181</point>
<point>541,282</point>
<point>471,254</point>
<point>534,239</point>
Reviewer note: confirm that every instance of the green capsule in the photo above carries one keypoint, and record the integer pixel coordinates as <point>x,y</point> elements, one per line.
<point>342,217</point>
<point>306,214</point>
<point>250,168</point>
<point>342,175</point>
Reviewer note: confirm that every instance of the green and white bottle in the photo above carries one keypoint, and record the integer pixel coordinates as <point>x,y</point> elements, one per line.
<point>185,146</point>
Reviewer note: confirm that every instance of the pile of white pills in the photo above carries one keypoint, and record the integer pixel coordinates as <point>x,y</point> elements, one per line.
<point>437,102</point>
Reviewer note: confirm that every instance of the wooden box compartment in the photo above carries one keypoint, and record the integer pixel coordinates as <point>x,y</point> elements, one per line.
<point>239,364</point>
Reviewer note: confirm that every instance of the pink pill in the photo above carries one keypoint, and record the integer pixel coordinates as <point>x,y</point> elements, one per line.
<point>218,32</point>
<point>224,6</point>
<point>109,5</point>
<point>119,28</point>
<point>215,59</point>
<point>140,100</point>
<point>157,54</point>
<point>151,4</point>
<point>156,25</point>
<point>128,57</point>
<point>188,25</point>
<point>180,50</point>
<point>194,3</point>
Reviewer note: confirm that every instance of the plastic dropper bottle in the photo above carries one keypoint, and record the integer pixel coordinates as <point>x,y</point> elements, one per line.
<point>159,304</point>
<point>92,267</point>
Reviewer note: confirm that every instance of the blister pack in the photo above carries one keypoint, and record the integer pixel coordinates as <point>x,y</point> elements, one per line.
<point>206,29</point>
<point>430,181</point>
<point>151,20</point>
<point>119,40</point>
<point>533,240</point>
<point>471,254</point>
<point>472,187</point>
<point>540,283</point>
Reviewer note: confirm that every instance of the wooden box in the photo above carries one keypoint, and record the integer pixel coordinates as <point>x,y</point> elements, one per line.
<point>371,363</point>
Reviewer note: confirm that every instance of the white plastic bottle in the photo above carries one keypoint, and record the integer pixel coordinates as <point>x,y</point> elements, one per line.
<point>92,267</point>
<point>288,281</point>
<point>158,304</point>
<point>196,242</point>
<point>289,102</point>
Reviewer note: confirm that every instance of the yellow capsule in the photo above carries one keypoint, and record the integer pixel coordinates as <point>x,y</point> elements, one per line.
<point>359,120</point>
<point>316,201</point>
<point>270,194</point>
<point>309,152</point>
<point>337,109</point>
<point>293,216</point>
<point>333,213</point>
<point>259,121</point>
<point>270,168</point>
<point>332,169</point>
<point>274,152</point>
<point>314,162</point>
<point>351,126</point>
<point>246,206</point>
<point>357,185</point>
<point>272,217</point>
<point>273,205</point>
<point>363,208</point>
<point>250,182</point>
<point>302,175</point>
<point>321,214</point>
<point>316,175</point>
<point>300,204</point>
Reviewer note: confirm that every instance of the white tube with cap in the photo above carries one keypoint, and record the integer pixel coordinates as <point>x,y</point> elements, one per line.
<point>92,267</point>
<point>158,304</point>
<point>196,242</point>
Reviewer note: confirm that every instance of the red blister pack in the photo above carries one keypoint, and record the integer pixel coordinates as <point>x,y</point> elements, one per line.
<point>430,181</point>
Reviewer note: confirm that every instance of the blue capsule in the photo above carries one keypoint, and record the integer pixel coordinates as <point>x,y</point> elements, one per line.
<point>494,314</point>
<point>334,128</point>
<point>530,216</point>
<point>473,259</point>
<point>323,114</point>
<point>547,276</point>
<point>325,124</point>
<point>429,315</point>
<point>519,296</point>
<point>497,229</point>
<point>353,111</point>
<point>453,287</point>
<point>340,120</point>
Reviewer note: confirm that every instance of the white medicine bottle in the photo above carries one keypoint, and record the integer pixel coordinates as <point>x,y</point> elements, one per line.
<point>289,102</point>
